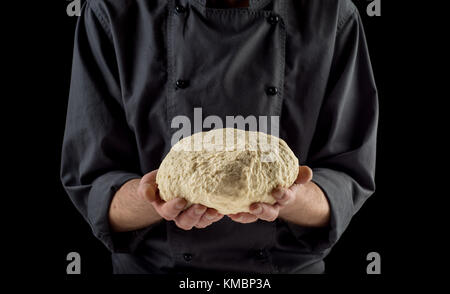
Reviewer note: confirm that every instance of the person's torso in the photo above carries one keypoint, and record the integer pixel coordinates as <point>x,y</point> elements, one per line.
<point>180,61</point>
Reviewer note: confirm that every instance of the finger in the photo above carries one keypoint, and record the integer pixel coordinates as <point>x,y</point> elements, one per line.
<point>147,186</point>
<point>284,196</point>
<point>304,175</point>
<point>171,209</point>
<point>243,217</point>
<point>265,211</point>
<point>189,218</point>
<point>210,216</point>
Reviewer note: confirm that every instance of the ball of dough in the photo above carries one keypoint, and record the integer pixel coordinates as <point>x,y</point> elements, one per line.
<point>227,169</point>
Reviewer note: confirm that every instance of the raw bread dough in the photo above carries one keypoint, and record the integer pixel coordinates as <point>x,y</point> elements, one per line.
<point>227,169</point>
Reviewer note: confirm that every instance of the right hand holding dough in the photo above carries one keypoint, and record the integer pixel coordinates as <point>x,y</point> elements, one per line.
<point>197,215</point>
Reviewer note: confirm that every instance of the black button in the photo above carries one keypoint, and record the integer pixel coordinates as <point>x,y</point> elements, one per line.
<point>273,19</point>
<point>261,254</point>
<point>182,84</point>
<point>180,9</point>
<point>271,91</point>
<point>187,257</point>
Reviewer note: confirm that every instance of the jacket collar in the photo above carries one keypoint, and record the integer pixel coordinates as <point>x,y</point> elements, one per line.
<point>253,4</point>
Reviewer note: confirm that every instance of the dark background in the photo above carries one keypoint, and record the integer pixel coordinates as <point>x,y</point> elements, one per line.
<point>386,224</point>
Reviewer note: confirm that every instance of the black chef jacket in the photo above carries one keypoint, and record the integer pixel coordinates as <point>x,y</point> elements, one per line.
<point>128,57</point>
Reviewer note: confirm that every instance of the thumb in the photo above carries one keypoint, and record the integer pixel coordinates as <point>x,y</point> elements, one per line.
<point>304,175</point>
<point>148,187</point>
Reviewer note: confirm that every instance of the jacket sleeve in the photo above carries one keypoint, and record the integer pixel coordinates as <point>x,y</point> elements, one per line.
<point>99,152</point>
<point>343,150</point>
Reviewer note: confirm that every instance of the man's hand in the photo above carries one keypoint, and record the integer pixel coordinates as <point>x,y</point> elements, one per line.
<point>283,196</point>
<point>303,203</point>
<point>137,205</point>
<point>197,215</point>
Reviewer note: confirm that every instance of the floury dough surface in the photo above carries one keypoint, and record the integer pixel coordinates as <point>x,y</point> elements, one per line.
<point>228,174</point>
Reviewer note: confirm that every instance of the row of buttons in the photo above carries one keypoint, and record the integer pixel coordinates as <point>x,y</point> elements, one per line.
<point>183,84</point>
<point>272,19</point>
<point>259,254</point>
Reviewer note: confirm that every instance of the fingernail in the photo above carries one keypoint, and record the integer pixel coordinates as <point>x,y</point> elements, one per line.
<point>279,193</point>
<point>257,209</point>
<point>209,217</point>
<point>180,204</point>
<point>199,210</point>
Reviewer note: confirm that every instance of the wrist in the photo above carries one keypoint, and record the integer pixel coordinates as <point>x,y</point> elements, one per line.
<point>130,210</point>
<point>309,208</point>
